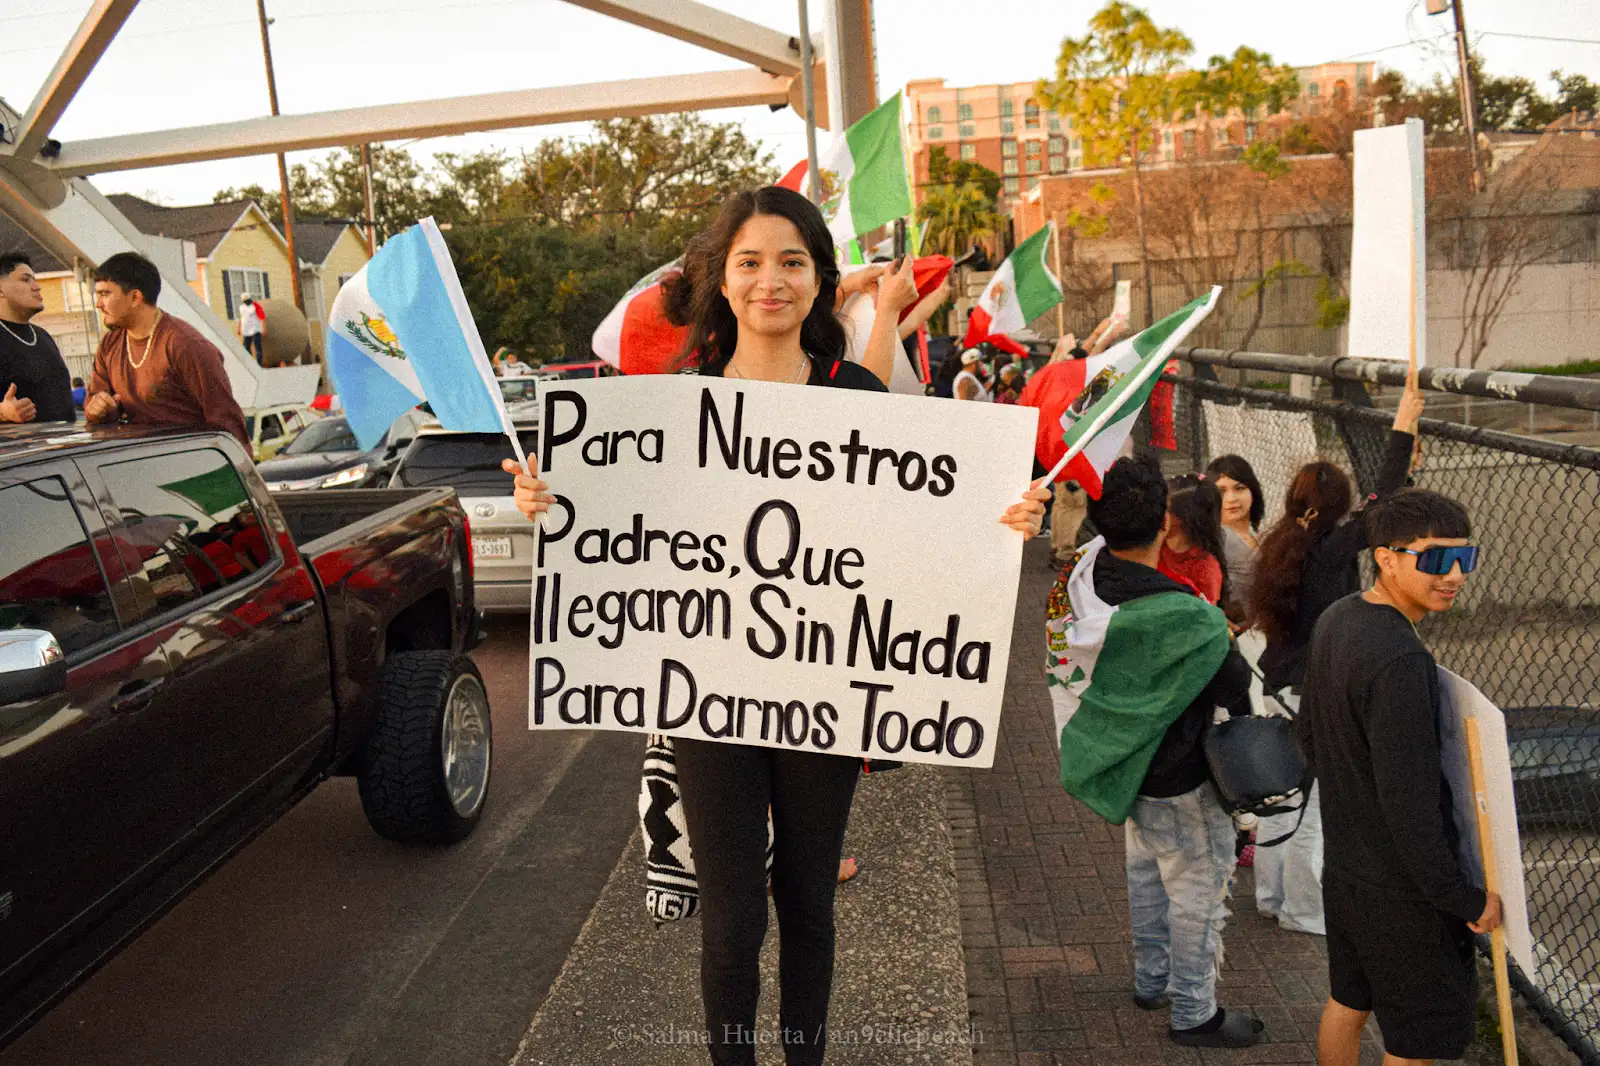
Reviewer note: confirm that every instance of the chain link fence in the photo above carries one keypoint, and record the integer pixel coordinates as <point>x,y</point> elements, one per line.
<point>1526,630</point>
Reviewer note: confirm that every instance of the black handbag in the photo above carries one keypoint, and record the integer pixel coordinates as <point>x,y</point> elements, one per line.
<point>1258,768</point>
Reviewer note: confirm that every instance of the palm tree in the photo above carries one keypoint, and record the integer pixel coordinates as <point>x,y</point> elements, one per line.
<point>958,216</point>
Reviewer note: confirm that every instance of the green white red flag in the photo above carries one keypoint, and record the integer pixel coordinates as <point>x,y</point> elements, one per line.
<point>1020,291</point>
<point>1118,383</point>
<point>865,183</point>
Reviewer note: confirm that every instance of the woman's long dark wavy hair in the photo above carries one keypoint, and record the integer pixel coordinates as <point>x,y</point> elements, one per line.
<point>1238,468</point>
<point>1319,498</point>
<point>694,298</point>
<point>1197,506</point>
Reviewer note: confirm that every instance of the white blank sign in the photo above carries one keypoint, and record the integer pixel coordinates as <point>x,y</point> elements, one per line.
<point>1388,265</point>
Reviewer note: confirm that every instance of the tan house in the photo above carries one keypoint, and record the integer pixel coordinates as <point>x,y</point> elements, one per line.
<point>239,252</point>
<point>229,250</point>
<point>330,251</point>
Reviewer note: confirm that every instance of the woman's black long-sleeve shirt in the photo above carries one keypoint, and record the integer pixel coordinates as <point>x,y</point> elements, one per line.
<point>1329,573</point>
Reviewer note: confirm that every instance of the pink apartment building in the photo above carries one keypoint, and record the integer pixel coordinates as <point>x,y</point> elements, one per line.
<point>1004,128</point>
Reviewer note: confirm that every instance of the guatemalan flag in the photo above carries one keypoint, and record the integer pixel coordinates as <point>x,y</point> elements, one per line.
<point>400,333</point>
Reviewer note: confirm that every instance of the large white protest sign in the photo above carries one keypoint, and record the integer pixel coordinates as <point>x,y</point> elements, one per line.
<point>807,568</point>
<point>1388,252</point>
<point>1458,701</point>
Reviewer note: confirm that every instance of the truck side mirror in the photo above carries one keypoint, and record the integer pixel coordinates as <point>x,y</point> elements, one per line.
<point>32,665</point>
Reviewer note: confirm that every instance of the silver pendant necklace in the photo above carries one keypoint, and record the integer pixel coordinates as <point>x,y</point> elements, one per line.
<point>33,332</point>
<point>801,371</point>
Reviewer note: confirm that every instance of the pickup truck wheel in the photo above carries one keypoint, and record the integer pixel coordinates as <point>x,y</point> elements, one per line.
<point>425,774</point>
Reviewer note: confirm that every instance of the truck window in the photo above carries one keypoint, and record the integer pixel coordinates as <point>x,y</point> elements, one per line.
<point>271,427</point>
<point>466,462</point>
<point>50,577</point>
<point>188,527</point>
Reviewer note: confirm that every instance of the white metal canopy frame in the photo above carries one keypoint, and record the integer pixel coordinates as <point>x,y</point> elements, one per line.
<point>43,183</point>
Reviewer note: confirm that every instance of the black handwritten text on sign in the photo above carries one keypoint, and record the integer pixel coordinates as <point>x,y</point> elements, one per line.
<point>768,564</point>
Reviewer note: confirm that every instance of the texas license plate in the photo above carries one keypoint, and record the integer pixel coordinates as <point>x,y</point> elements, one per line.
<point>491,547</point>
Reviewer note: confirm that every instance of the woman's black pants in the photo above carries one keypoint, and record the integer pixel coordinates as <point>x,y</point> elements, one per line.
<point>726,790</point>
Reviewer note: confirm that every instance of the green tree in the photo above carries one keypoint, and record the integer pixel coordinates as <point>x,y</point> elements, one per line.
<point>958,216</point>
<point>1250,83</point>
<point>942,170</point>
<point>547,242</point>
<point>1119,84</point>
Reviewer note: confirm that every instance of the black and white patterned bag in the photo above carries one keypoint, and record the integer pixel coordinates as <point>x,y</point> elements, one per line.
<point>671,890</point>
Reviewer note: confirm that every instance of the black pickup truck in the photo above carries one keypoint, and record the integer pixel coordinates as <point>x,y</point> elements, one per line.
<point>183,655</point>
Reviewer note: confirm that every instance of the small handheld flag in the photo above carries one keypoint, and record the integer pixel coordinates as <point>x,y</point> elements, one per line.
<point>864,179</point>
<point>400,333</point>
<point>1020,291</point>
<point>1117,384</point>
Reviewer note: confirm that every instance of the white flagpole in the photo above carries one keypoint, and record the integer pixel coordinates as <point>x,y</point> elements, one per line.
<point>1101,420</point>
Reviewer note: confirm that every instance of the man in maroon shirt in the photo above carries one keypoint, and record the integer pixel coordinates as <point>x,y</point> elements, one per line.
<point>153,368</point>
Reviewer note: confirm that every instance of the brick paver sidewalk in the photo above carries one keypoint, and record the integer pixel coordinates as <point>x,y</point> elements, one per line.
<point>1044,909</point>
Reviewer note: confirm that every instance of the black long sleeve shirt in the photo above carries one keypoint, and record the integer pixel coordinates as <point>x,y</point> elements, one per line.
<point>1369,724</point>
<point>30,360</point>
<point>1329,572</point>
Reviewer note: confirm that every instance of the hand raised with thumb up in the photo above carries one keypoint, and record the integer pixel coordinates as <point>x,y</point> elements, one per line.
<point>16,408</point>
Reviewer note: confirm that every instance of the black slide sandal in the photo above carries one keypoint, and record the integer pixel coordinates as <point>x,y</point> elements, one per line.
<point>1236,1031</point>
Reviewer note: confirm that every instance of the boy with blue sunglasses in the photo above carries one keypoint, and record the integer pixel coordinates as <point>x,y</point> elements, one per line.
<point>1400,910</point>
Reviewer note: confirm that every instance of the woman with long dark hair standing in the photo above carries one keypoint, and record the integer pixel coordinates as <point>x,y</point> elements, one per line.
<point>761,309</point>
<point>1308,562</point>
<point>1243,508</point>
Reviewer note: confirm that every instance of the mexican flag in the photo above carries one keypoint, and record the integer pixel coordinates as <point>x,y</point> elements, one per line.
<point>1119,676</point>
<point>636,337</point>
<point>1020,291</point>
<point>865,183</point>
<point>1117,383</point>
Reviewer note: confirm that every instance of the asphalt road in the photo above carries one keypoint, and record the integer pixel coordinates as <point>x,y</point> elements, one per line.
<point>322,945</point>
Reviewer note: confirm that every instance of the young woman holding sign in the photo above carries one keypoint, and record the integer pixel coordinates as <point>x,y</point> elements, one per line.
<point>763,283</point>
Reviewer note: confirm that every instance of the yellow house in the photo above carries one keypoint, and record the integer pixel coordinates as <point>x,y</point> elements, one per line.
<point>239,253</point>
<point>330,251</point>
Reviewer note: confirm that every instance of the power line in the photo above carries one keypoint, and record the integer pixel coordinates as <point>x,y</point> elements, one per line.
<point>1536,37</point>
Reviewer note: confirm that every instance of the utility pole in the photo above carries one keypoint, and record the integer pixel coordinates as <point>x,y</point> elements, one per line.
<point>366,183</point>
<point>1469,95</point>
<point>283,167</point>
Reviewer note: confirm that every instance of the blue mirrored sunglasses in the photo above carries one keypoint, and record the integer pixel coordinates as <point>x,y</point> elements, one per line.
<point>1442,558</point>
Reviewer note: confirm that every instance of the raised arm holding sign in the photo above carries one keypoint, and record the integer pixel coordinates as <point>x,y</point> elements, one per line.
<point>726,563</point>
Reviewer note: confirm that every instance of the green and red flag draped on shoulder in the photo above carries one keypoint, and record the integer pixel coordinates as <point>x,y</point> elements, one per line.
<point>1117,383</point>
<point>1119,676</point>
<point>1020,291</point>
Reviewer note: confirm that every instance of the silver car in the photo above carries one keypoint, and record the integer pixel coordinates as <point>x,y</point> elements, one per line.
<point>502,539</point>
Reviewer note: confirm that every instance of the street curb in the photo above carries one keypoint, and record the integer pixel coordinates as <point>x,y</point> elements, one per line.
<point>629,993</point>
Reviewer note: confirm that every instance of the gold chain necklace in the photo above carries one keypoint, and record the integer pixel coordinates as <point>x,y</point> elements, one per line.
<point>149,343</point>
<point>801,372</point>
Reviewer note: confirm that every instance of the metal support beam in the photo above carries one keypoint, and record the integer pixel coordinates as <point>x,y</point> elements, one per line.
<point>706,27</point>
<point>428,118</point>
<point>851,52</point>
<point>95,34</point>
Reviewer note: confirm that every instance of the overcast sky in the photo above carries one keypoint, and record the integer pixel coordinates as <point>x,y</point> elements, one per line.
<point>188,62</point>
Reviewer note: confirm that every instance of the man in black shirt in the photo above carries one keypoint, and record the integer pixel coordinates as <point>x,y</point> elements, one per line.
<point>35,385</point>
<point>1398,905</point>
